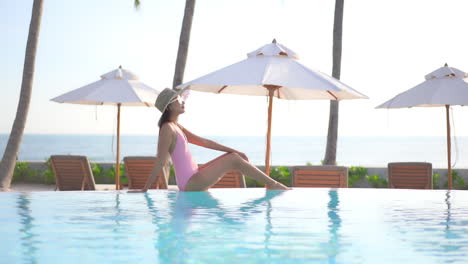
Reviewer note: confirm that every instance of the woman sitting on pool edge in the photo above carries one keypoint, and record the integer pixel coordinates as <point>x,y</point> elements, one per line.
<point>172,141</point>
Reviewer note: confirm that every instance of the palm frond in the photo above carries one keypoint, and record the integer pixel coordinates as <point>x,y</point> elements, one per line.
<point>136,3</point>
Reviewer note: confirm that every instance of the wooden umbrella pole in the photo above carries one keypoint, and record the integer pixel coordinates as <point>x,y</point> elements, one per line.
<point>271,91</point>
<point>268,147</point>
<point>449,149</point>
<point>117,161</point>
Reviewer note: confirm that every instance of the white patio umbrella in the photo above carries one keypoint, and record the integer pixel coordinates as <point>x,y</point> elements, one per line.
<point>274,71</point>
<point>119,87</point>
<point>445,86</point>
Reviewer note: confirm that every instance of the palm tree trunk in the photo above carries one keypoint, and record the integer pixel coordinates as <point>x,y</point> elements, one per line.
<point>8,162</point>
<point>332,138</point>
<point>184,42</point>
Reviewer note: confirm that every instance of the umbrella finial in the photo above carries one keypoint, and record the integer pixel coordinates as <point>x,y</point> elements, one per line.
<point>446,65</point>
<point>274,41</point>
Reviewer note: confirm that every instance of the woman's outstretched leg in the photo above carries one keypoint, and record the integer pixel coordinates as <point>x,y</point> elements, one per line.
<point>209,175</point>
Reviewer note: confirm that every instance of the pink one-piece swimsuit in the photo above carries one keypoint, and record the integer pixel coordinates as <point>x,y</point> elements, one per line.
<point>184,165</point>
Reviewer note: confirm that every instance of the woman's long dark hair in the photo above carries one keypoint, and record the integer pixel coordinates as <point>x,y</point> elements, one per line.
<point>164,117</point>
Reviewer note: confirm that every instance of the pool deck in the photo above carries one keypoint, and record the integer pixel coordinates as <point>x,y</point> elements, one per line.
<point>35,187</point>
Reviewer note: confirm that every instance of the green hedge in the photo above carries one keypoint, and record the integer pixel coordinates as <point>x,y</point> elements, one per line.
<point>356,174</point>
<point>458,182</point>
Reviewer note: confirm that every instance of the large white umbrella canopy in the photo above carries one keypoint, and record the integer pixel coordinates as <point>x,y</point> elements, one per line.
<point>274,64</point>
<point>274,71</point>
<point>445,86</point>
<point>119,87</point>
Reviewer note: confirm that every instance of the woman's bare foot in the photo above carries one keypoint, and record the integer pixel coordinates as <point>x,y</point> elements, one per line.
<point>276,186</point>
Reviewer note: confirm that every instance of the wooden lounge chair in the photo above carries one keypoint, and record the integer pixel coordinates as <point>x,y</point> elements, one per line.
<point>410,175</point>
<point>72,173</point>
<point>232,179</point>
<point>138,169</point>
<point>320,176</point>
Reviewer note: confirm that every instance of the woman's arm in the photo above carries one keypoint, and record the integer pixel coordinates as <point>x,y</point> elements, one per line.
<point>164,142</point>
<point>204,142</point>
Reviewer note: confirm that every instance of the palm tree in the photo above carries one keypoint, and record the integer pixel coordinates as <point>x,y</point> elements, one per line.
<point>332,138</point>
<point>184,40</point>
<point>8,162</point>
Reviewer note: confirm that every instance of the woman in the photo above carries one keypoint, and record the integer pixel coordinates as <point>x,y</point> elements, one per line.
<point>173,139</point>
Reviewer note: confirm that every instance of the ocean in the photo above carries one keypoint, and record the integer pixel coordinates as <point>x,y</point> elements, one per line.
<point>286,150</point>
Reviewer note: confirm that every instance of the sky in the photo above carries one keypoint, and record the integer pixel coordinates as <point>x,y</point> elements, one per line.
<point>388,47</point>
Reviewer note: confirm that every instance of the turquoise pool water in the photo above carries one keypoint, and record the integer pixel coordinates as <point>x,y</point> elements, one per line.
<point>236,226</point>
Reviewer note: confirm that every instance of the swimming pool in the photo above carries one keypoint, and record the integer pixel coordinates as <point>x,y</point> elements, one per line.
<point>236,226</point>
